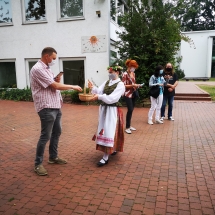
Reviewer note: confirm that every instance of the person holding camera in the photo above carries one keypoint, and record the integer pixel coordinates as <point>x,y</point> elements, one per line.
<point>156,80</point>
<point>131,93</point>
<point>169,91</point>
<point>48,101</point>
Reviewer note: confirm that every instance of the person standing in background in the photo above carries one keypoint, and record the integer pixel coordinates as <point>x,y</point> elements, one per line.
<point>169,91</point>
<point>131,93</point>
<point>156,103</point>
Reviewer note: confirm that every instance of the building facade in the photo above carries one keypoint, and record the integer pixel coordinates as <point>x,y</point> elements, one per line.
<point>81,31</point>
<point>198,57</point>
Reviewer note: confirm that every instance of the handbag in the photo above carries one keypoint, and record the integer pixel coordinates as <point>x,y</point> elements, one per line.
<point>135,94</point>
<point>154,91</point>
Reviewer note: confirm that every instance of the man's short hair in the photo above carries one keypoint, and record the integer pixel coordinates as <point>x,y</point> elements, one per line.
<point>49,51</point>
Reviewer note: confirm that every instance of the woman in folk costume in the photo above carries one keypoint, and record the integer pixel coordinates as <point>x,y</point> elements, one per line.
<point>110,135</point>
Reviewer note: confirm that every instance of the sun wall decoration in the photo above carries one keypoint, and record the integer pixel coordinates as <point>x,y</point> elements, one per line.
<point>93,43</point>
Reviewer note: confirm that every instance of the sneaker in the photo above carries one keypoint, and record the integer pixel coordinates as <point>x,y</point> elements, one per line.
<point>133,129</point>
<point>162,118</point>
<point>40,170</point>
<point>57,161</point>
<point>158,121</point>
<point>128,131</point>
<point>150,122</point>
<point>170,118</point>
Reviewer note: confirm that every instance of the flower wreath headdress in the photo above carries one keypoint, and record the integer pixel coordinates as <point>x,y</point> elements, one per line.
<point>115,68</point>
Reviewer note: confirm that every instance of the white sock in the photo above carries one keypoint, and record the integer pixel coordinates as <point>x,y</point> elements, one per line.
<point>105,157</point>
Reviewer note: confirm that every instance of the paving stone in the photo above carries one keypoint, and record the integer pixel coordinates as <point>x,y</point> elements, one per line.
<point>164,169</point>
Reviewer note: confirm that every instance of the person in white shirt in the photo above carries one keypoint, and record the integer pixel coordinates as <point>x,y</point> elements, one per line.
<point>110,135</point>
<point>156,80</point>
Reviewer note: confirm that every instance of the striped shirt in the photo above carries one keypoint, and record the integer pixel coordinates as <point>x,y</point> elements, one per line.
<point>44,96</point>
<point>127,80</point>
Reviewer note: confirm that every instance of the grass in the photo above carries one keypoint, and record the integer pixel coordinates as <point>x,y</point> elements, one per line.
<point>209,89</point>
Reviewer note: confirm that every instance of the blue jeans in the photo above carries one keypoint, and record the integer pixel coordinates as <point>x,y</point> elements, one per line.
<point>170,105</point>
<point>50,130</point>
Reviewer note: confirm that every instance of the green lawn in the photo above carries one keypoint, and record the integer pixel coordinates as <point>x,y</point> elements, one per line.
<point>209,89</point>
<point>211,79</point>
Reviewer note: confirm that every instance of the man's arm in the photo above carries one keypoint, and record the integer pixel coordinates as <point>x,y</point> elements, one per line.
<point>59,86</point>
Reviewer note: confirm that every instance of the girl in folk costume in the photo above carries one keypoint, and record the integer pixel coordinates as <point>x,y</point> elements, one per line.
<point>109,136</point>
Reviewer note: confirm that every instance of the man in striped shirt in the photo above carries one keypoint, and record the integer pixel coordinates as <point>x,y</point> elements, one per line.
<point>48,101</point>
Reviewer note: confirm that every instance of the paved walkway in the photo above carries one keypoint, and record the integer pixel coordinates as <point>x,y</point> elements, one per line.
<point>191,86</point>
<point>164,169</point>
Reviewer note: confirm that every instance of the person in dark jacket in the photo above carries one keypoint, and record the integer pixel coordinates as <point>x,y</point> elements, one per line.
<point>169,91</point>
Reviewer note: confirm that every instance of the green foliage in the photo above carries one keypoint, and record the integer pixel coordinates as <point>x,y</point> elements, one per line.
<point>180,73</point>
<point>16,94</point>
<point>151,36</point>
<point>11,199</point>
<point>195,15</point>
<point>209,89</point>
<point>73,94</point>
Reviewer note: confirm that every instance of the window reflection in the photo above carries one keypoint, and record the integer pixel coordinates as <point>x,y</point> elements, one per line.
<point>5,11</point>
<point>70,8</point>
<point>35,10</point>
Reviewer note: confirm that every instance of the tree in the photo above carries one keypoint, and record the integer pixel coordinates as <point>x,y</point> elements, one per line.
<point>196,15</point>
<point>151,36</point>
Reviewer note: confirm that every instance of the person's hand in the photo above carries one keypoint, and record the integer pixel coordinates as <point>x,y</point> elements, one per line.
<point>136,86</point>
<point>170,89</point>
<point>76,87</point>
<point>57,79</point>
<point>90,84</point>
<point>95,97</point>
<point>160,85</point>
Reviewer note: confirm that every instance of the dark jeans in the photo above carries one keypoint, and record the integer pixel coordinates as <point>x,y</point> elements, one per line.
<point>130,103</point>
<point>170,105</point>
<point>50,130</point>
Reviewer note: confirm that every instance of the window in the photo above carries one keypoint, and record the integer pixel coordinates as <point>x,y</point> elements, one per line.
<point>113,57</point>
<point>113,9</point>
<point>70,9</point>
<point>34,11</point>
<point>73,71</point>
<point>5,12</point>
<point>8,74</point>
<point>29,64</point>
<point>118,8</point>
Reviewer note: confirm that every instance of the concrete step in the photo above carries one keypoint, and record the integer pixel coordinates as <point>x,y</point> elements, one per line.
<point>193,94</point>
<point>192,98</point>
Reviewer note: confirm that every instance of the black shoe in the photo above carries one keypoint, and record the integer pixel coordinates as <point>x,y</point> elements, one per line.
<point>114,153</point>
<point>102,164</point>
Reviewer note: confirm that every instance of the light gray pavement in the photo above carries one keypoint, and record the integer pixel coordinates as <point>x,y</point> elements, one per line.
<point>190,87</point>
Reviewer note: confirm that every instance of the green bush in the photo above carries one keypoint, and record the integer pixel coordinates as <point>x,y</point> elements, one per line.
<point>180,73</point>
<point>16,94</point>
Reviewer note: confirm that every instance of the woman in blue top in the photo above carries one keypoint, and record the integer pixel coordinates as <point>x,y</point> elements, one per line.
<point>156,103</point>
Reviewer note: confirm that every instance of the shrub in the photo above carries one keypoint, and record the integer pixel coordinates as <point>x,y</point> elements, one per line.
<point>180,73</point>
<point>16,94</point>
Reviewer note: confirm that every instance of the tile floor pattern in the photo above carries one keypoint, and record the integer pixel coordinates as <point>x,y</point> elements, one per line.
<point>164,169</point>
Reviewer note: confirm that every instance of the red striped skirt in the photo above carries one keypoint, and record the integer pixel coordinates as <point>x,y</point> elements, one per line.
<point>118,138</point>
